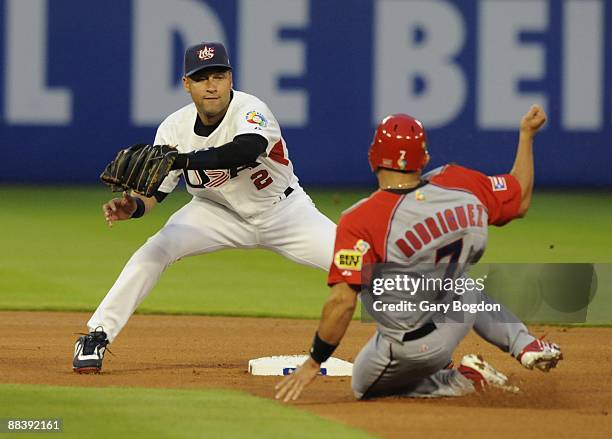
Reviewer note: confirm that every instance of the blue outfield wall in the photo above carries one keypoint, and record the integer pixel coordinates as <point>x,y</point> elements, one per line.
<point>79,80</point>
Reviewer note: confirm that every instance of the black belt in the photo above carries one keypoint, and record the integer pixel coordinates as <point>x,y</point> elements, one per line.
<point>424,330</point>
<point>288,191</point>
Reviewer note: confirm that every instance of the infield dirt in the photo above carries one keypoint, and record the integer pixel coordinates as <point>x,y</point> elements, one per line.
<point>573,400</point>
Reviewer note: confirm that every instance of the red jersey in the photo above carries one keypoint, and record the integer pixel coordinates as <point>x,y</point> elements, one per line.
<point>444,220</point>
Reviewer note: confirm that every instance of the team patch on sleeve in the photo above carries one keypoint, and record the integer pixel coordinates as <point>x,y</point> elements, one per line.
<point>348,259</point>
<point>498,183</point>
<point>256,118</point>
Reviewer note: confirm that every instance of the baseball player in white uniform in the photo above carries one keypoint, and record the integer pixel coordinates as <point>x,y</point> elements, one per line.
<point>245,195</point>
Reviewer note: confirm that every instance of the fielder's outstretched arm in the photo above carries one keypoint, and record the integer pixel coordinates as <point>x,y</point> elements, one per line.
<point>335,319</point>
<point>242,150</point>
<point>522,170</point>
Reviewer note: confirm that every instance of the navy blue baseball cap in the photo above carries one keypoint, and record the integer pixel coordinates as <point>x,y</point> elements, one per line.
<point>205,55</point>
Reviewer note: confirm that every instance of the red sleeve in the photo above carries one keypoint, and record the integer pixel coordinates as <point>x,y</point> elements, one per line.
<point>500,194</point>
<point>352,252</point>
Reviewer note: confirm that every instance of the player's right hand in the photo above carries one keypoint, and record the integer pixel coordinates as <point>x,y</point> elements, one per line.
<point>290,387</point>
<point>119,209</point>
<point>533,120</point>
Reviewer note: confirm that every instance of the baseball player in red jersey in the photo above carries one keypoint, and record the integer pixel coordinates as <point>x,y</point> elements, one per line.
<point>426,224</point>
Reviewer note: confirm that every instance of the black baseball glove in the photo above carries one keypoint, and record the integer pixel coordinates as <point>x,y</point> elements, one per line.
<point>139,167</point>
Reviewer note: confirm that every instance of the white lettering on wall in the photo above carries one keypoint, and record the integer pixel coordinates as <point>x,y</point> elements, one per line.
<point>155,91</point>
<point>28,100</point>
<point>503,60</point>
<point>265,57</point>
<point>416,41</point>
<point>582,75</point>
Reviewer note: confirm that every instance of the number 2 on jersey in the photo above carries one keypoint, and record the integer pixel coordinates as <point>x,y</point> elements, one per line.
<point>261,179</point>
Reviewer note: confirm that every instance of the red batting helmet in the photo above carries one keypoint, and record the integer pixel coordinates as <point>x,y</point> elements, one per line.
<point>399,143</point>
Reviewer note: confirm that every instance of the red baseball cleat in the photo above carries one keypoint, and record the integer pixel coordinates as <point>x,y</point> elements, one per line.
<point>482,374</point>
<point>540,354</point>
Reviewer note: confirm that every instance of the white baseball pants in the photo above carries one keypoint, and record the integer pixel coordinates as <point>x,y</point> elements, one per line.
<point>293,227</point>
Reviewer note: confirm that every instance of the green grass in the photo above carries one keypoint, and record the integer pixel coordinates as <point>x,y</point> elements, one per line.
<point>167,413</point>
<point>576,224</point>
<point>58,253</point>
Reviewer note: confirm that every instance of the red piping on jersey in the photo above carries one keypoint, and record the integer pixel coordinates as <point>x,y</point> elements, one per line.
<point>461,190</point>
<point>399,201</point>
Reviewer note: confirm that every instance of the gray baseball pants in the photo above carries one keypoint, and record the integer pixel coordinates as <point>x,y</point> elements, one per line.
<point>416,368</point>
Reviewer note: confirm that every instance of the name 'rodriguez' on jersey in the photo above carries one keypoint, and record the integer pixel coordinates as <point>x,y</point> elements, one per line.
<point>248,190</point>
<point>445,219</point>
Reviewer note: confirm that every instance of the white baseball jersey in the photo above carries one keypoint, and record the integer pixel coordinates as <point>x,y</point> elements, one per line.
<point>232,208</point>
<point>247,190</point>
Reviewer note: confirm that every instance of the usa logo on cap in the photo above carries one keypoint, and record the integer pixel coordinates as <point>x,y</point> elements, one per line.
<point>206,53</point>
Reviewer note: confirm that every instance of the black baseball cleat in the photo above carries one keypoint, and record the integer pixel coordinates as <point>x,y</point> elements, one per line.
<point>89,352</point>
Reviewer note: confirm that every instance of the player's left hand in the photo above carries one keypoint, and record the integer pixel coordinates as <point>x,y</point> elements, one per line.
<point>141,168</point>
<point>290,387</point>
